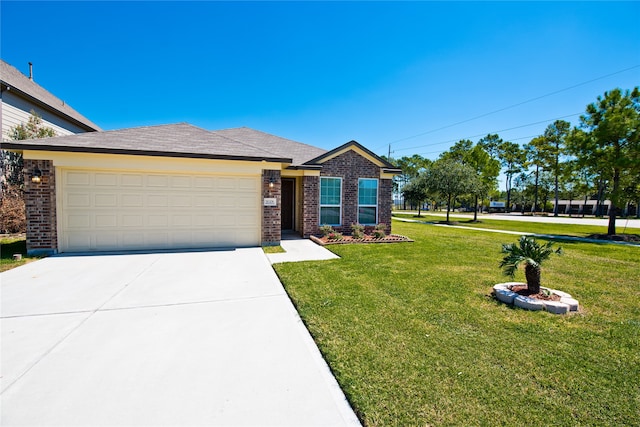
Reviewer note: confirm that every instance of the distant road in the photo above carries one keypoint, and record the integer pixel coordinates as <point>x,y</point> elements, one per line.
<point>621,223</point>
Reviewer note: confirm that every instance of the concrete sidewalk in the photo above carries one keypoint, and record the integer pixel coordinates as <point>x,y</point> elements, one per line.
<point>191,338</point>
<point>301,250</point>
<point>524,233</point>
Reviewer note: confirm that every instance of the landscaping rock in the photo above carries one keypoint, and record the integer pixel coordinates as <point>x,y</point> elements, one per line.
<point>505,295</point>
<point>556,307</point>
<point>500,286</point>
<point>528,303</point>
<point>572,303</point>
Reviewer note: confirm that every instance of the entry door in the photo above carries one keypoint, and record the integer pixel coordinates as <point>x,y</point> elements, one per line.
<point>288,203</point>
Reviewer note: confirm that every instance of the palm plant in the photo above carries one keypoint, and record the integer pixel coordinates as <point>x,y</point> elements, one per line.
<point>530,253</point>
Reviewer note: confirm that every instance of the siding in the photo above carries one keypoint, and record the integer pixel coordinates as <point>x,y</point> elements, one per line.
<point>16,110</point>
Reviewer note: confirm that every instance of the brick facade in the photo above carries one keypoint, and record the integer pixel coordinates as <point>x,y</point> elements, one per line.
<point>40,200</point>
<point>310,202</point>
<point>40,204</point>
<point>350,166</point>
<point>271,219</point>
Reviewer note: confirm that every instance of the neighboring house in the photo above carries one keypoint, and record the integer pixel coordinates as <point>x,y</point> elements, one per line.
<point>180,186</point>
<point>21,95</point>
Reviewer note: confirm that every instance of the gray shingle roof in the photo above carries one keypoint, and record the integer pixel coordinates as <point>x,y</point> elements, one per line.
<point>19,83</point>
<point>299,152</point>
<point>175,140</point>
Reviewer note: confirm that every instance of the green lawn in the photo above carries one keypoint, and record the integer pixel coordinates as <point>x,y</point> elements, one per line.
<point>578,230</point>
<point>414,337</point>
<point>9,247</point>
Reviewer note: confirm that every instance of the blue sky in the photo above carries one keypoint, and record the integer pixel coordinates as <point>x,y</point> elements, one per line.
<point>325,73</point>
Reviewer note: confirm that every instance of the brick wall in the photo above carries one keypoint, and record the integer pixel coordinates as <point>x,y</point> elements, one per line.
<point>271,220</point>
<point>350,166</point>
<point>40,204</point>
<point>310,209</point>
<point>385,203</point>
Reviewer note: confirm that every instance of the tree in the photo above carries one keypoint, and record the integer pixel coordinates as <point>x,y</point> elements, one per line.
<point>512,158</point>
<point>484,166</point>
<point>411,167</point>
<point>12,208</point>
<point>450,179</point>
<point>491,143</point>
<point>12,162</point>
<point>555,136</point>
<point>531,254</point>
<point>534,153</point>
<point>416,192</point>
<point>608,139</point>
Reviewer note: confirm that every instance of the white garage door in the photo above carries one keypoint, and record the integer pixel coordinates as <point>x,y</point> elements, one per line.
<point>115,210</point>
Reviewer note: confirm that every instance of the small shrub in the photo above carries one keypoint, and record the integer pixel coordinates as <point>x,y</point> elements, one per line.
<point>334,235</point>
<point>379,231</point>
<point>358,231</point>
<point>12,211</point>
<point>326,230</point>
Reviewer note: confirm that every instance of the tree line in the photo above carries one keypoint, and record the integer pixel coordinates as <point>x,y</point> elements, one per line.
<point>599,158</point>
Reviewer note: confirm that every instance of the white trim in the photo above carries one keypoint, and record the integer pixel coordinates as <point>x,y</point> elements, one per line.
<point>320,205</point>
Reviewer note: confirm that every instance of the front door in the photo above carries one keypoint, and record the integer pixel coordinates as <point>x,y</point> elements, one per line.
<point>288,203</point>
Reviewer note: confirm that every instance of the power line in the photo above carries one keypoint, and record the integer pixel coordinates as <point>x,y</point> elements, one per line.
<point>511,139</point>
<point>485,133</point>
<point>515,105</point>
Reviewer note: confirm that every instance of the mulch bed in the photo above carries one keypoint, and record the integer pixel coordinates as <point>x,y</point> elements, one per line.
<point>346,240</point>
<point>616,237</point>
<point>524,291</point>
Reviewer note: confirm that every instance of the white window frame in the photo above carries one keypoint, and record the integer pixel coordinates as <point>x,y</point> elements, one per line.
<point>369,206</point>
<point>321,205</point>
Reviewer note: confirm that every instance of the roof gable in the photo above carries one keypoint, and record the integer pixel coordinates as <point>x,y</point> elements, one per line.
<point>16,82</point>
<point>358,148</point>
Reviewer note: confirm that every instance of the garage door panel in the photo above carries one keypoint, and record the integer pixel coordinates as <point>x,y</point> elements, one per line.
<point>78,178</point>
<point>106,241</point>
<point>101,212</point>
<point>132,200</point>
<point>105,200</point>
<point>247,184</point>
<point>157,181</point>
<point>134,220</point>
<point>131,180</point>
<point>79,221</point>
<point>179,201</point>
<point>108,220</point>
<point>158,220</point>
<point>106,180</point>
<point>180,182</point>
<point>204,182</point>
<point>157,200</point>
<point>79,200</point>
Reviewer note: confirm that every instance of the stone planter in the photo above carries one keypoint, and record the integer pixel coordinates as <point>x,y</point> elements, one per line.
<point>503,292</point>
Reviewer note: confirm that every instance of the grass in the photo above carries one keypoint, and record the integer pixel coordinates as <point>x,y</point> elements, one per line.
<point>577,230</point>
<point>273,249</point>
<point>10,246</point>
<point>414,337</point>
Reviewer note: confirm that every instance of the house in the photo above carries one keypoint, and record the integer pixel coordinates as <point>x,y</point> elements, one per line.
<point>21,94</point>
<point>179,186</point>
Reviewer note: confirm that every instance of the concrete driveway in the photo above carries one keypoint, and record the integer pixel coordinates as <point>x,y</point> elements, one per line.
<point>191,338</point>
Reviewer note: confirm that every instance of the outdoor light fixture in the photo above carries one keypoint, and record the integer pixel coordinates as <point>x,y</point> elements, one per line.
<point>271,182</point>
<point>37,175</point>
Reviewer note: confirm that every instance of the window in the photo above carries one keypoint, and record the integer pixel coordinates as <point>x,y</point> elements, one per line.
<point>368,201</point>
<point>330,200</point>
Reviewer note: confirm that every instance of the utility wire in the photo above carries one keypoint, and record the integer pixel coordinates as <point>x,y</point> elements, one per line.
<point>485,133</point>
<point>442,151</point>
<point>514,105</point>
